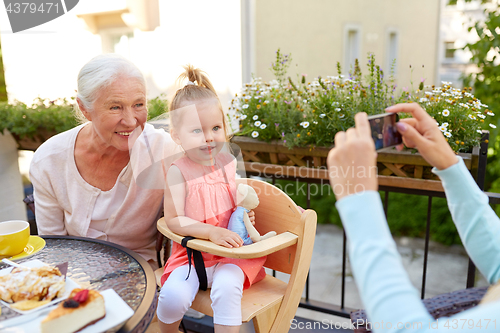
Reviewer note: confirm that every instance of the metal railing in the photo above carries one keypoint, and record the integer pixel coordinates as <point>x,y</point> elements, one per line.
<point>343,311</point>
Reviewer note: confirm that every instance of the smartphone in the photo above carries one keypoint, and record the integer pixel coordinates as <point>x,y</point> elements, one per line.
<point>384,131</point>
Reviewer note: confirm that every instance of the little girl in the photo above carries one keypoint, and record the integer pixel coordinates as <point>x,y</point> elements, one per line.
<point>199,200</point>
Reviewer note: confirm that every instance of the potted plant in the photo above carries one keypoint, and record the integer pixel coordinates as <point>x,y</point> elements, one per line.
<point>290,123</point>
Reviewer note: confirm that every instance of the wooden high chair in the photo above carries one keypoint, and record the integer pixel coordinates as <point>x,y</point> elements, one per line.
<point>271,303</point>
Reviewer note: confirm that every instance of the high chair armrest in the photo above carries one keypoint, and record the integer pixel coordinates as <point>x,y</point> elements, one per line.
<point>254,250</point>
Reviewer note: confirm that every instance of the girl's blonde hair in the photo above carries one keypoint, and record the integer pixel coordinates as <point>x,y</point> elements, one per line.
<point>199,89</point>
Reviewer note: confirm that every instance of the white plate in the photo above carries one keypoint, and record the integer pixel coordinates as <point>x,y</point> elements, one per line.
<point>117,312</point>
<point>70,285</point>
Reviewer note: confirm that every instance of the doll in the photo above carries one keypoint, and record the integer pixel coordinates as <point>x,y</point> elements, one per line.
<point>247,199</point>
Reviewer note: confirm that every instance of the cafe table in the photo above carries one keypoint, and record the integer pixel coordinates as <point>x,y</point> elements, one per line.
<point>101,265</point>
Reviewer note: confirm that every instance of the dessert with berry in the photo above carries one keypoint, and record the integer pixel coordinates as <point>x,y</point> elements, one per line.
<point>83,307</point>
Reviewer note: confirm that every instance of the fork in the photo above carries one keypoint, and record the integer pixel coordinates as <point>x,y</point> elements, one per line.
<point>11,263</point>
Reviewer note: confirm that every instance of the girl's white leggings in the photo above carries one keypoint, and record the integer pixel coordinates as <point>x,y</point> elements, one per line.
<point>226,283</point>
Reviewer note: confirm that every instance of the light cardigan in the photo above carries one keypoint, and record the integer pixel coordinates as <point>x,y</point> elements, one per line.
<point>390,300</point>
<point>64,201</point>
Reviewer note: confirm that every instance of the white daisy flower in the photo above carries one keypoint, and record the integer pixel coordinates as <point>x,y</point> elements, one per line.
<point>257,123</point>
<point>342,116</point>
<point>243,117</point>
<point>472,117</point>
<point>443,129</point>
<point>423,100</point>
<point>263,126</point>
<point>490,113</point>
<point>338,109</point>
<point>315,122</point>
<point>245,106</point>
<point>446,112</point>
<point>493,126</point>
<point>305,101</point>
<point>445,124</point>
<point>447,134</point>
<point>322,115</point>
<point>479,131</point>
<point>305,124</point>
<point>255,117</point>
<point>482,116</point>
<point>255,134</point>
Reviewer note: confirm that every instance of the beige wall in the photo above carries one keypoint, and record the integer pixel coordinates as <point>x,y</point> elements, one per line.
<point>314,33</point>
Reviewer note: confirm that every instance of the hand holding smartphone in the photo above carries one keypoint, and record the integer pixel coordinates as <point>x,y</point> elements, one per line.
<point>384,131</point>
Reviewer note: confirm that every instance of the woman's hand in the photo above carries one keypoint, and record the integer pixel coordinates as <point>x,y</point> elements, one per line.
<point>224,237</point>
<point>421,132</point>
<point>251,216</point>
<point>352,164</point>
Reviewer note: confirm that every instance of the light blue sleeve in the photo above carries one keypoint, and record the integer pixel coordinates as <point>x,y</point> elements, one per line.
<point>477,224</point>
<point>391,302</point>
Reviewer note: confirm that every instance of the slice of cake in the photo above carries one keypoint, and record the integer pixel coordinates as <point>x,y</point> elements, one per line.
<point>82,308</point>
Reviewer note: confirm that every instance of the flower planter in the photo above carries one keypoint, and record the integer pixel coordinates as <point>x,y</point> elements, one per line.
<point>403,169</point>
<point>33,143</point>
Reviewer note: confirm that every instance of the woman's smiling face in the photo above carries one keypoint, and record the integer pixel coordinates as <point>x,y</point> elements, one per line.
<point>117,111</point>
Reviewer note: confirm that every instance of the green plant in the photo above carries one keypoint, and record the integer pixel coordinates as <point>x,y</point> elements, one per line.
<point>486,82</point>
<point>53,116</point>
<point>3,88</point>
<point>459,115</point>
<point>26,121</point>
<point>406,214</point>
<point>157,106</point>
<point>301,114</point>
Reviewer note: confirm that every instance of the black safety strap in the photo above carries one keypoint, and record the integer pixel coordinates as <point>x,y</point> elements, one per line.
<point>199,264</point>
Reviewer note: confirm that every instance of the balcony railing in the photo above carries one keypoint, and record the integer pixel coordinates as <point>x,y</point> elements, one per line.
<point>340,309</point>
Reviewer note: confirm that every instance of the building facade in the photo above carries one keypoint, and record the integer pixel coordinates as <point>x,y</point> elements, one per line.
<point>320,33</point>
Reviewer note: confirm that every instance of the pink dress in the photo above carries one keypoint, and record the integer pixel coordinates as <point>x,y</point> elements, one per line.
<point>210,199</point>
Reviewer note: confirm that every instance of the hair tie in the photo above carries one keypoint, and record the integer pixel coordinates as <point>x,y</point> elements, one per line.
<point>190,83</point>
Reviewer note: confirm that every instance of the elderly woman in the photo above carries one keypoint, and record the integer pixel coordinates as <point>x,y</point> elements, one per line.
<point>88,181</point>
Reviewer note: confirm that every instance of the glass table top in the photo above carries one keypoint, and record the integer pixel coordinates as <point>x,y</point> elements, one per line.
<point>93,265</point>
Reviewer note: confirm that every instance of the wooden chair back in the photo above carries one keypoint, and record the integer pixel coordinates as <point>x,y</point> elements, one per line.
<point>276,212</point>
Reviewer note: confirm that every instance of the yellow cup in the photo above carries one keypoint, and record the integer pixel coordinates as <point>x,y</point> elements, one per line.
<point>14,235</point>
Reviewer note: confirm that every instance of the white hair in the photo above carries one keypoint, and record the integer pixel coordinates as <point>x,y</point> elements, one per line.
<point>100,72</point>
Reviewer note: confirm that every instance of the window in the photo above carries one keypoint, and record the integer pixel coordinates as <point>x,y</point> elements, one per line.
<point>351,47</point>
<point>118,41</point>
<point>392,53</point>
<point>449,50</point>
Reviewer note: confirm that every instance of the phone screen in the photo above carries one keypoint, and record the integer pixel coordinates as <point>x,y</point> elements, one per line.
<point>384,131</point>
